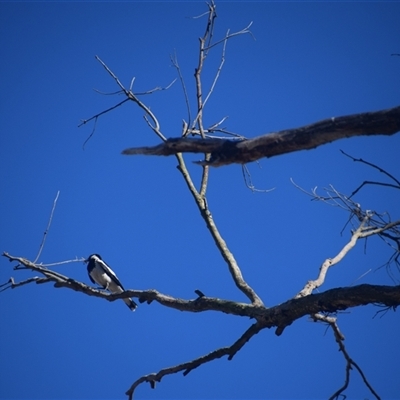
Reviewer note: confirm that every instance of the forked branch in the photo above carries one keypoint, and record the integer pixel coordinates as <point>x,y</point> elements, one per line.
<point>331,321</point>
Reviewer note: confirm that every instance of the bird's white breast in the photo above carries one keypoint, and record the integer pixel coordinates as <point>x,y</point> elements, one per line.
<point>100,277</point>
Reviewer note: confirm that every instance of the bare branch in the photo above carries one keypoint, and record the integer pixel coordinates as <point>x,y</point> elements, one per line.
<point>175,63</point>
<point>330,262</point>
<point>48,228</point>
<point>217,73</point>
<point>396,186</point>
<point>369,231</point>
<point>279,316</point>
<point>373,166</point>
<point>349,361</point>
<point>10,284</point>
<point>230,35</point>
<point>202,56</point>
<point>204,179</point>
<point>224,152</point>
<point>131,96</point>
<point>219,241</point>
<point>191,365</point>
<point>112,74</point>
<point>85,121</point>
<point>249,183</point>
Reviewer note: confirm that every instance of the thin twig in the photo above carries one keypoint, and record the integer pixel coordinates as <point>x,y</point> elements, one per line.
<point>112,74</point>
<point>381,170</point>
<point>230,35</point>
<point>85,121</point>
<point>48,227</point>
<point>249,183</point>
<point>131,96</point>
<point>218,73</point>
<point>175,63</point>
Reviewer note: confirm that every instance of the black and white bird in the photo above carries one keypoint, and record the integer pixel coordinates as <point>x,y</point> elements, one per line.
<point>100,273</point>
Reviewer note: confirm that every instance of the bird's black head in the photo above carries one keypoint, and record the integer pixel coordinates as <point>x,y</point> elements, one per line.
<point>93,255</point>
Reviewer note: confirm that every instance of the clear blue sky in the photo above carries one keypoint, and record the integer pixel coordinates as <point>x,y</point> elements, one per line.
<point>309,61</point>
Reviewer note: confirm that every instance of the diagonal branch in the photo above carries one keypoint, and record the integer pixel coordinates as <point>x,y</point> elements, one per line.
<point>330,262</point>
<point>331,321</point>
<point>219,241</point>
<point>191,365</point>
<point>225,151</point>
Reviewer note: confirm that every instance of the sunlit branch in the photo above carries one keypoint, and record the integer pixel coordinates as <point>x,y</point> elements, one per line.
<point>204,179</point>
<point>330,262</point>
<point>219,241</point>
<point>369,231</point>
<point>217,74</point>
<point>112,74</point>
<point>175,63</point>
<point>230,35</point>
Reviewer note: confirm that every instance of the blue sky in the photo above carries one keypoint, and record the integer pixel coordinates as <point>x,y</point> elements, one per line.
<point>309,61</point>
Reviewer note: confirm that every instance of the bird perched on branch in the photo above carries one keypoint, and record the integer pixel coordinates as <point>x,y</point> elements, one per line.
<point>100,273</point>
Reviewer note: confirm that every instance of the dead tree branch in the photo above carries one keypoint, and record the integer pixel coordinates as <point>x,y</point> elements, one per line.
<point>279,316</point>
<point>221,151</point>
<point>201,203</point>
<point>363,231</point>
<point>331,321</point>
<point>381,170</point>
<point>191,365</point>
<point>224,151</point>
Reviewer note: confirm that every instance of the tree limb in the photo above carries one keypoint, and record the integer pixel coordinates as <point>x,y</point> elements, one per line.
<point>190,365</point>
<point>225,151</point>
<point>279,316</point>
<point>201,203</point>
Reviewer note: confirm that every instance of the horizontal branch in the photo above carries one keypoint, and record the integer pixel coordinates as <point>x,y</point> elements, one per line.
<point>284,314</point>
<point>225,151</point>
<point>279,316</point>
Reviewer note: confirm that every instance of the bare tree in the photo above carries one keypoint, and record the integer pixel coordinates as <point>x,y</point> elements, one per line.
<point>222,147</point>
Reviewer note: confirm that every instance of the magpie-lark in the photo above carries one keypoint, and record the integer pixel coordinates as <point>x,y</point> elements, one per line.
<point>100,273</point>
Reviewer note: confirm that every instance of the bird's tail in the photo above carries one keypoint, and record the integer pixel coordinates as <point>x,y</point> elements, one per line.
<point>131,304</point>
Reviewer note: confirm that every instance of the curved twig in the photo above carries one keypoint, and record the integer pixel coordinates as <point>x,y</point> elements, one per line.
<point>48,228</point>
